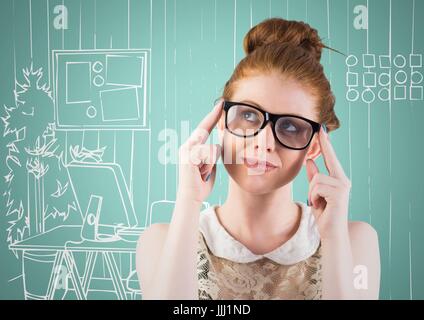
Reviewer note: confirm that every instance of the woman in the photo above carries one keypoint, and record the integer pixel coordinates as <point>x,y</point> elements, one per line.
<point>260,244</point>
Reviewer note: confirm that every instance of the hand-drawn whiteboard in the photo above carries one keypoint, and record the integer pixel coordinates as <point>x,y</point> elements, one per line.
<point>100,89</point>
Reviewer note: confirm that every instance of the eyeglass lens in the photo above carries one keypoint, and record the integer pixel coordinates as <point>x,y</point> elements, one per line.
<point>291,131</point>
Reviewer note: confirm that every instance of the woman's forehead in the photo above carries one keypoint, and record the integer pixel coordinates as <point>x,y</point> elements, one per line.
<point>275,95</point>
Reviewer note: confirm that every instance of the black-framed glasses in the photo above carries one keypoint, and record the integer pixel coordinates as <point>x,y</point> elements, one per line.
<point>292,131</point>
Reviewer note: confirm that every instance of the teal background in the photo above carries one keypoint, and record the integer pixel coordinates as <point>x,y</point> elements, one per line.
<point>193,47</point>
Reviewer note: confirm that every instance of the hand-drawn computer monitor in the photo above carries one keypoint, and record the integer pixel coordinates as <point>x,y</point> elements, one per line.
<point>103,181</point>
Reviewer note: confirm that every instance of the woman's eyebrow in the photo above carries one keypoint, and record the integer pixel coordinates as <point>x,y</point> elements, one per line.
<point>260,107</point>
<point>252,102</point>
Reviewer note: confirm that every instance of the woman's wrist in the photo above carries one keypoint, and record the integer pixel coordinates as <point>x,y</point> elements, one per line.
<point>187,198</point>
<point>336,234</point>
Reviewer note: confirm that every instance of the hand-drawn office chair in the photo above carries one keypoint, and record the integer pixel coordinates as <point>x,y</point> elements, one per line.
<point>160,212</point>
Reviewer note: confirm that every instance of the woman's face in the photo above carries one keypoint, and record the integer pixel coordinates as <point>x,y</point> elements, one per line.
<point>275,95</point>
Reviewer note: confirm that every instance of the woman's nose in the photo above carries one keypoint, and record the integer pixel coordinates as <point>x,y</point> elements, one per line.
<point>265,140</point>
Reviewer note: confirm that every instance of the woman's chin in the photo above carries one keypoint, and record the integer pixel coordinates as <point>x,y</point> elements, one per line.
<point>257,184</point>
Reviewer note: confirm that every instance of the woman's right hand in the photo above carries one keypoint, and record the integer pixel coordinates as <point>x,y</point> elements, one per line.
<point>197,161</point>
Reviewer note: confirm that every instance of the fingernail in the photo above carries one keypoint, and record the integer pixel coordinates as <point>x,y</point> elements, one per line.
<point>307,202</point>
<point>207,178</point>
<point>219,101</point>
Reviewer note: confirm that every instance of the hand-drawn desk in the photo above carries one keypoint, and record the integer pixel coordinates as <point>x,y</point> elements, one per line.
<point>65,241</point>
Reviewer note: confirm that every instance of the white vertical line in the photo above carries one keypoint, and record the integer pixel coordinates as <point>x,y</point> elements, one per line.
<point>410,255</point>
<point>350,105</point>
<point>410,224</point>
<point>175,124</point>
<point>128,26</point>
<point>28,203</point>
<point>95,24</point>
<point>151,22</point>
<point>66,147</point>
<point>164,57</point>
<point>410,268</point>
<point>390,149</point>
<point>131,167</point>
<point>48,41</point>
<point>166,162</point>
<point>328,30</point>
<point>175,88</point>
<point>369,134</point>
<point>287,9</point>
<point>120,260</point>
<point>148,172</point>
<point>80,25</point>
<point>306,10</point>
<point>234,36</point>
<point>14,48</point>
<point>390,243</point>
<point>36,205</point>
<point>251,14</point>
<point>215,22</point>
<point>413,26</point>
<point>390,100</point>
<point>269,14</point>
<point>390,142</point>
<point>30,27</point>
<point>103,266</point>
<point>63,31</point>
<point>98,139</point>
<point>43,205</point>
<point>83,138</point>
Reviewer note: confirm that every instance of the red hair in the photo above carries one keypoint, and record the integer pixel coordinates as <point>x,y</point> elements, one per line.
<point>293,50</point>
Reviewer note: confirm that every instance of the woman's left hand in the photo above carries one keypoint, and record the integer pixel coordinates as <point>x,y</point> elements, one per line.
<point>328,195</point>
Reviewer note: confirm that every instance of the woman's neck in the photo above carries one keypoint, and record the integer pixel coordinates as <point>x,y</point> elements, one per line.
<point>261,222</point>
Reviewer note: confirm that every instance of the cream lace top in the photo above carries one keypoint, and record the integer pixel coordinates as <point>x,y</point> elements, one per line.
<point>229,270</point>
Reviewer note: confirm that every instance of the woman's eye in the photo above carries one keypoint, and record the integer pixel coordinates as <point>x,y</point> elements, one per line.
<point>288,127</point>
<point>249,116</point>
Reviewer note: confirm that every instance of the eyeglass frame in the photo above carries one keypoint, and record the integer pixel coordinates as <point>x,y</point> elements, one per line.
<point>273,118</point>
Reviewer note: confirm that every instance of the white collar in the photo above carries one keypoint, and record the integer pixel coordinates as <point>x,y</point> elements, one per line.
<point>300,246</point>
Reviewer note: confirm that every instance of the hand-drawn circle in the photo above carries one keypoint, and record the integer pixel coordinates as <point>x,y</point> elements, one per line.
<point>384,94</point>
<point>368,95</point>
<point>399,61</point>
<point>351,60</point>
<point>91,112</point>
<point>97,67</point>
<point>400,77</point>
<point>352,95</point>
<point>384,79</point>
<point>416,77</point>
<point>98,81</point>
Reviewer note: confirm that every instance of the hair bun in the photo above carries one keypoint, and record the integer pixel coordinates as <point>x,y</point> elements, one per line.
<point>295,33</point>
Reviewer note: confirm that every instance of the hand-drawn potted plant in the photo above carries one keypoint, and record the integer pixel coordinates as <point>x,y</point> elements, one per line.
<point>37,197</point>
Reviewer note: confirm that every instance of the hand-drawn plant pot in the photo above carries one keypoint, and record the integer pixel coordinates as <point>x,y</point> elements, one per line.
<point>39,278</point>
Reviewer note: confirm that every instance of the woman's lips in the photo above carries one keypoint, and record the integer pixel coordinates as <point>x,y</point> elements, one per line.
<point>254,164</point>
